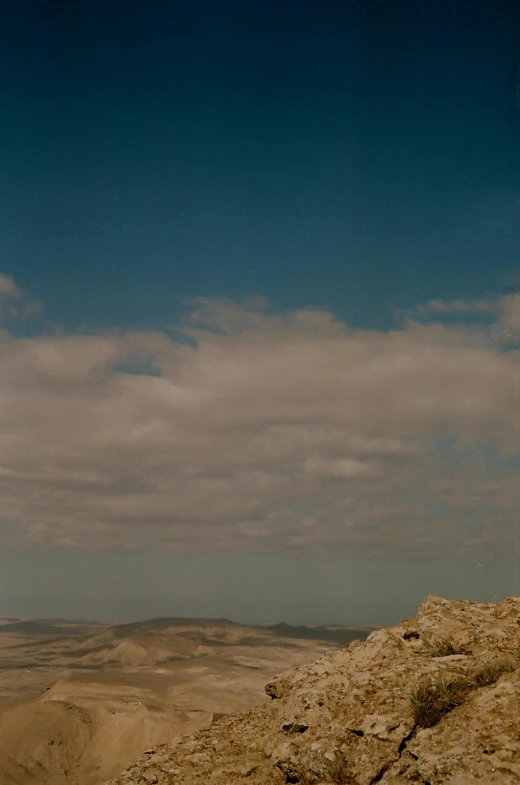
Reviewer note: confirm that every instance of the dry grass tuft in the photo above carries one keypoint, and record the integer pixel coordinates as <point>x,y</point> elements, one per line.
<point>442,648</point>
<point>430,702</point>
<point>489,673</point>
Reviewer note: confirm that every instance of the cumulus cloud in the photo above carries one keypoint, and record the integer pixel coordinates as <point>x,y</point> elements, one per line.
<point>263,431</point>
<point>506,309</point>
<point>13,302</point>
<point>439,308</point>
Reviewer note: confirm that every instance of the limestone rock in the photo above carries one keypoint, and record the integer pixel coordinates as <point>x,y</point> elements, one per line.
<point>434,700</point>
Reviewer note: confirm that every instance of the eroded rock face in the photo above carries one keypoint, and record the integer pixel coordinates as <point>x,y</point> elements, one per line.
<point>434,700</point>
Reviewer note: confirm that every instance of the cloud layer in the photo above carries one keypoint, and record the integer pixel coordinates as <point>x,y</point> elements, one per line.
<point>260,431</point>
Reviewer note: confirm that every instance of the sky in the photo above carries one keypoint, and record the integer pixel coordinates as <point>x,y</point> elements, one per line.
<point>259,308</point>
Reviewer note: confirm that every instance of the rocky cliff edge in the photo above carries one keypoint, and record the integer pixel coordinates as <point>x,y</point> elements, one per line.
<point>435,699</point>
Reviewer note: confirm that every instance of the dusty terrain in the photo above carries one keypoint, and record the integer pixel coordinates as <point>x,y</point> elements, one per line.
<point>434,700</point>
<point>80,701</point>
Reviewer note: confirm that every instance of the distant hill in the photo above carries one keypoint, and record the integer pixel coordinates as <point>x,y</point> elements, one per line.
<point>334,634</point>
<point>165,623</point>
<point>46,627</point>
<point>151,642</point>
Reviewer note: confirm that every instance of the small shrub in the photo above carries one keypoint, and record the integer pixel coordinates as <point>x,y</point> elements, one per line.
<point>442,648</point>
<point>489,673</point>
<point>339,774</point>
<point>430,702</point>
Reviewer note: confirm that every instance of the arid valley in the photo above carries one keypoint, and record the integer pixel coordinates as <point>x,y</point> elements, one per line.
<point>80,700</point>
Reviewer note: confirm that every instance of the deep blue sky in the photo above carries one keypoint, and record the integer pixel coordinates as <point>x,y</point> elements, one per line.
<point>358,156</point>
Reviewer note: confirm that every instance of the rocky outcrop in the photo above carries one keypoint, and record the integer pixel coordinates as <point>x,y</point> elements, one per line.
<point>435,699</point>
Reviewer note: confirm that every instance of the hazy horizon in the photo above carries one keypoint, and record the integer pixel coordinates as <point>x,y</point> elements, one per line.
<point>345,590</point>
<point>259,309</point>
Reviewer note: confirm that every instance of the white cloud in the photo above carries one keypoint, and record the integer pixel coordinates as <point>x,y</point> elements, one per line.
<point>13,302</point>
<point>506,308</point>
<point>274,432</point>
<point>8,287</point>
<point>442,308</point>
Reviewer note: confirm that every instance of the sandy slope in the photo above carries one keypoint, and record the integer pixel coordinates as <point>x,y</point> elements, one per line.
<point>80,733</point>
